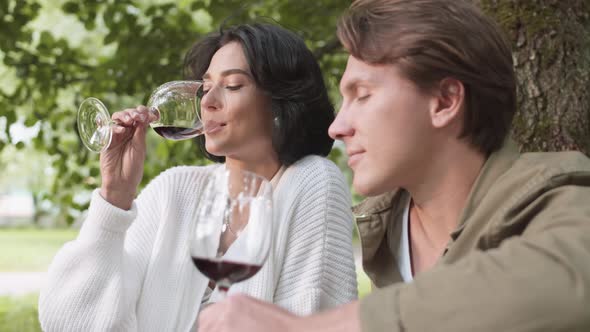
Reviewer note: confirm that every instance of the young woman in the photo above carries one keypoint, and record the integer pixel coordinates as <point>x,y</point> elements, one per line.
<point>129,269</point>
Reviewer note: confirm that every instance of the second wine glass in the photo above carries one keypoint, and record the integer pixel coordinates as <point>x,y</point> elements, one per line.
<point>233,230</point>
<point>177,105</point>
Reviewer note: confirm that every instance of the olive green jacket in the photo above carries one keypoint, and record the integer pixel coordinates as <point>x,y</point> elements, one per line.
<point>519,259</point>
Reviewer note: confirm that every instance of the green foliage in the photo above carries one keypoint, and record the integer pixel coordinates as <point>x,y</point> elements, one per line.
<point>119,51</point>
<point>364,283</point>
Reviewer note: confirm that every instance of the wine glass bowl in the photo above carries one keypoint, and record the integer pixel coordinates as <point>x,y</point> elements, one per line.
<point>176,104</point>
<point>232,233</point>
<point>178,107</point>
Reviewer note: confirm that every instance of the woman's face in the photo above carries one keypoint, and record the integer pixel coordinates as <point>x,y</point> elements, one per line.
<point>235,108</point>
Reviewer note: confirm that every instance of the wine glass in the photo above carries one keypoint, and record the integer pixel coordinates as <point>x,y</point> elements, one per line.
<point>232,234</point>
<point>176,104</point>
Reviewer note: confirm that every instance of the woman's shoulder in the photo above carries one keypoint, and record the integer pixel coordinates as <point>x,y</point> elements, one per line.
<point>316,165</point>
<point>179,175</point>
<point>314,172</point>
<point>184,170</point>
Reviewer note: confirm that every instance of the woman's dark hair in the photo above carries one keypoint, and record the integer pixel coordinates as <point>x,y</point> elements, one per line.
<point>282,66</point>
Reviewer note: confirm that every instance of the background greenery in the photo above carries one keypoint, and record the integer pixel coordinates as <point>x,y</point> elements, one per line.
<point>30,249</point>
<point>26,249</point>
<point>53,54</point>
<point>56,53</point>
<point>19,314</point>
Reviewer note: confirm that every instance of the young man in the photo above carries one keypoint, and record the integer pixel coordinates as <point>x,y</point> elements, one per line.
<point>462,233</point>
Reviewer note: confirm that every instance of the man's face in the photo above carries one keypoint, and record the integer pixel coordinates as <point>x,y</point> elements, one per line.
<point>385,124</point>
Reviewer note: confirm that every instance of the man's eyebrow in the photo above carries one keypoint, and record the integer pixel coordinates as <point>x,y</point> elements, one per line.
<point>353,84</point>
<point>350,85</point>
<point>229,72</point>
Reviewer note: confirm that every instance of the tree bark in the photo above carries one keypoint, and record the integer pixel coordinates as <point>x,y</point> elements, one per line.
<point>551,53</point>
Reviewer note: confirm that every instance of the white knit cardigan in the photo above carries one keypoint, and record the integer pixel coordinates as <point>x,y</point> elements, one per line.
<point>131,270</point>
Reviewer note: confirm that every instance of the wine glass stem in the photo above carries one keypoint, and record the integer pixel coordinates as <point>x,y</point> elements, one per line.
<point>155,111</point>
<point>222,293</point>
<point>223,286</point>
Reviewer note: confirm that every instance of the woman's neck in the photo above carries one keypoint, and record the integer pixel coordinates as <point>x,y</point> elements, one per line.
<point>266,167</point>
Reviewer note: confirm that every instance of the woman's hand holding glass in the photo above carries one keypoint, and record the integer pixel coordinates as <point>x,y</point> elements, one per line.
<point>173,111</point>
<point>121,165</point>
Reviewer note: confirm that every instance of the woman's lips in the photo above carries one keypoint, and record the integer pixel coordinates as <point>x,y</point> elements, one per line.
<point>212,127</point>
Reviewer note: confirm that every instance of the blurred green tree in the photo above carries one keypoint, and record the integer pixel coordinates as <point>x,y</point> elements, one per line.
<point>119,51</point>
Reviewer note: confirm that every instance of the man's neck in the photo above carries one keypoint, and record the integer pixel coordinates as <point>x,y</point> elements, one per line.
<point>440,196</point>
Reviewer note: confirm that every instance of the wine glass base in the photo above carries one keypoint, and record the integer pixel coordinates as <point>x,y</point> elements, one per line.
<point>94,125</point>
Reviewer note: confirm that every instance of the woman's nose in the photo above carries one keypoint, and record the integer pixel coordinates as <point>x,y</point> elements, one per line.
<point>213,99</point>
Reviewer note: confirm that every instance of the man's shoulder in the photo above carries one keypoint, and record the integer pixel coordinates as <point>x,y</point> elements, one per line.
<point>553,167</point>
<point>556,161</point>
<point>532,177</point>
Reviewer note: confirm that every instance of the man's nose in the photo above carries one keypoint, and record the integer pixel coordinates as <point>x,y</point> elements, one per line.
<point>340,127</point>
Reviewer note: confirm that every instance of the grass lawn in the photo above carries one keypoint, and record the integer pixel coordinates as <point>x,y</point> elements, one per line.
<point>30,249</point>
<point>19,314</point>
<point>364,284</point>
<point>26,250</point>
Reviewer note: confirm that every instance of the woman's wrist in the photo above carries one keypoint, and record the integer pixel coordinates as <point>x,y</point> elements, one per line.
<point>120,199</point>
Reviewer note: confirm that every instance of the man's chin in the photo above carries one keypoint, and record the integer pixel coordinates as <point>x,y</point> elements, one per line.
<point>365,188</point>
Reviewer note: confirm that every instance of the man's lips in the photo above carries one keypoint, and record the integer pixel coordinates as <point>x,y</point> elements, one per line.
<point>354,157</point>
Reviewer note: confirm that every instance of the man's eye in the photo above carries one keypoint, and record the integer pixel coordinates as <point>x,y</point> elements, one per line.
<point>363,98</point>
<point>234,87</point>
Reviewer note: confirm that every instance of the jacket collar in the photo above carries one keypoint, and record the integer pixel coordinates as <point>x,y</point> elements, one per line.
<point>375,214</point>
<point>498,163</point>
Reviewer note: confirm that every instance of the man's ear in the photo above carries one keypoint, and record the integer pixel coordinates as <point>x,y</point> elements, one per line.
<point>448,103</point>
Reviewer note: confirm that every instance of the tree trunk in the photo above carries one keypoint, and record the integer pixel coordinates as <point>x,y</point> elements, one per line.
<point>551,53</point>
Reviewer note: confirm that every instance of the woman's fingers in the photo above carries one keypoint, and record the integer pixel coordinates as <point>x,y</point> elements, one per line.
<point>132,117</point>
<point>123,118</point>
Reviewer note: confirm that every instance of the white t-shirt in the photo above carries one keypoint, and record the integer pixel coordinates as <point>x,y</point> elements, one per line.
<point>404,260</point>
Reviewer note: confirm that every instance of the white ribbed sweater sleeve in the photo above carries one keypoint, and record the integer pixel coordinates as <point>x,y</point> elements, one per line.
<point>91,280</point>
<point>318,270</point>
<point>94,282</point>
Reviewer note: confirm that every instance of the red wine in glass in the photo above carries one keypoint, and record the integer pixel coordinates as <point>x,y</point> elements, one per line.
<point>178,133</point>
<point>225,273</point>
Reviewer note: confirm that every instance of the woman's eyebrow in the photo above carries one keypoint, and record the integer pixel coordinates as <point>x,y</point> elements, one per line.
<point>229,72</point>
